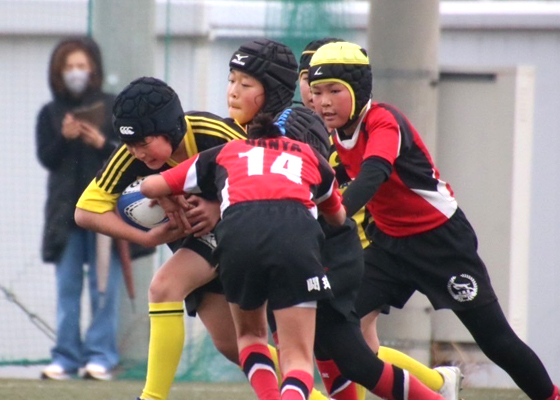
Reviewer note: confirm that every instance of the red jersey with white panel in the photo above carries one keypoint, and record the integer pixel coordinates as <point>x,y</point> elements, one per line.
<point>414,199</point>
<point>260,169</point>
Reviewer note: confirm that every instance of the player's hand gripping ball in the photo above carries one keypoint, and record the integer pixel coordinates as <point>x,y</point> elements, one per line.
<point>134,208</point>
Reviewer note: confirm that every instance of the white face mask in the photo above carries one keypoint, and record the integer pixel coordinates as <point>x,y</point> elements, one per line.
<point>76,80</point>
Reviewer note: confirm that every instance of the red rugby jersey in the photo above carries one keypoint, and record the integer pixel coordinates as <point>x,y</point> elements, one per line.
<point>259,169</point>
<point>413,199</point>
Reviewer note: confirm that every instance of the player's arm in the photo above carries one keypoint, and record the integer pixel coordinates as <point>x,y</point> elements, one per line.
<point>95,209</point>
<point>155,186</point>
<point>110,224</point>
<point>374,171</point>
<point>329,200</point>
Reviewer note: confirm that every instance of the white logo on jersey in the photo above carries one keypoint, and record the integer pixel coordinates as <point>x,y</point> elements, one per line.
<point>464,289</point>
<point>318,72</point>
<point>238,60</point>
<point>126,130</point>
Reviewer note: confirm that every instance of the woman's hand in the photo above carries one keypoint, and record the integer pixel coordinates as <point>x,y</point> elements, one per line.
<point>91,136</point>
<point>70,127</point>
<point>203,215</point>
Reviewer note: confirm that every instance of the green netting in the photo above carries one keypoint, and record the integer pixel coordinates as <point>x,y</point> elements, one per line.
<point>298,22</point>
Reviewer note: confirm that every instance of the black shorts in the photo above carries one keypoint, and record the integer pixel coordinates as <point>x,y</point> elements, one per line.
<point>343,263</point>
<point>442,263</point>
<point>204,247</point>
<point>270,250</point>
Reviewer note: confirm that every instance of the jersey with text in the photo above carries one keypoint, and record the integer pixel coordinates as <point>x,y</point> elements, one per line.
<point>414,199</point>
<point>204,131</point>
<point>260,169</point>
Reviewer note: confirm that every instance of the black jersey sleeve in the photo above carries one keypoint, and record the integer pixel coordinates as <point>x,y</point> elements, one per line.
<point>374,171</point>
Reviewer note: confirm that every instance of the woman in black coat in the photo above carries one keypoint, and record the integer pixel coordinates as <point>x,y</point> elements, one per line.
<point>74,137</point>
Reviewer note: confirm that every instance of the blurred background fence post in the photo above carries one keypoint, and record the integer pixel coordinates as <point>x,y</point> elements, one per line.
<point>403,52</point>
<point>125,31</point>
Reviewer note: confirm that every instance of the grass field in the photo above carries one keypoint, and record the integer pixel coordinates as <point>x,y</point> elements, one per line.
<point>27,389</point>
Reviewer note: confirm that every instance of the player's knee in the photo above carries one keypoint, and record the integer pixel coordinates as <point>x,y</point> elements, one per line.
<point>228,348</point>
<point>163,289</point>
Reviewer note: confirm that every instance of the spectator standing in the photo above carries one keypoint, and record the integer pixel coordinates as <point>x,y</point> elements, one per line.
<point>74,137</point>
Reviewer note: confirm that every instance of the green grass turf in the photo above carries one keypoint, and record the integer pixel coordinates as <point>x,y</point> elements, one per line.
<point>27,389</point>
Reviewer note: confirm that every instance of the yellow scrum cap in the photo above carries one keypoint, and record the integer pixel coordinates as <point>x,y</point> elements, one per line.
<point>346,63</point>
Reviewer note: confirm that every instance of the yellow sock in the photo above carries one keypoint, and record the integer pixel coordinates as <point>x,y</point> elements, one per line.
<point>167,337</point>
<point>426,375</point>
<point>274,355</point>
<point>361,392</point>
<point>314,395</point>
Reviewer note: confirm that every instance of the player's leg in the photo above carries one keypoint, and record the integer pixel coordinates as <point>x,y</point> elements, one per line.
<point>344,342</point>
<point>181,274</point>
<point>215,314</point>
<point>254,356</point>
<point>296,332</point>
<point>378,289</point>
<point>275,353</point>
<point>491,331</point>
<point>428,376</point>
<point>338,387</point>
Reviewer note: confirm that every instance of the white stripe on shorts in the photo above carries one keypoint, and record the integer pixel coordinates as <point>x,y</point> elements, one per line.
<point>307,304</point>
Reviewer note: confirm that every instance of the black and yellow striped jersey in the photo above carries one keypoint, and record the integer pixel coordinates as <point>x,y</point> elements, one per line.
<point>204,131</point>
<point>363,216</point>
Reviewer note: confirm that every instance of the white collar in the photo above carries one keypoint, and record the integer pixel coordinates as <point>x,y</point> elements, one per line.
<point>351,142</point>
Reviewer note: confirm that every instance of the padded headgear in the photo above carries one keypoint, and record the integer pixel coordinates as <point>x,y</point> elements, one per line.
<point>345,63</point>
<point>274,65</point>
<point>302,124</point>
<point>311,49</point>
<point>148,107</point>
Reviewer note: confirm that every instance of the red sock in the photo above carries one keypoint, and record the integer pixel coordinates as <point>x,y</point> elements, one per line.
<point>258,367</point>
<point>555,395</point>
<point>338,387</point>
<point>397,384</point>
<point>297,385</point>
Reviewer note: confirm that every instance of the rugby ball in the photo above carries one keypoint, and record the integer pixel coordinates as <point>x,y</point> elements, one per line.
<point>134,208</point>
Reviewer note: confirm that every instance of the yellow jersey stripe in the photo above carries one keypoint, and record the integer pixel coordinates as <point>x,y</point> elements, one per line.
<point>190,142</point>
<point>121,170</point>
<point>217,125</point>
<point>114,160</point>
<point>116,170</point>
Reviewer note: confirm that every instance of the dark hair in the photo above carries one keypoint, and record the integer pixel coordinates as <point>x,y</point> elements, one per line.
<point>58,61</point>
<point>263,127</point>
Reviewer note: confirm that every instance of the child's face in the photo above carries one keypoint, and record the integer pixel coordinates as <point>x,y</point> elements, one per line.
<point>154,151</point>
<point>305,91</point>
<point>333,102</point>
<point>245,97</point>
